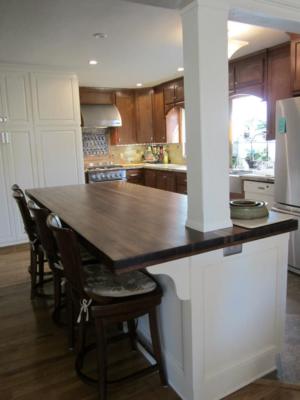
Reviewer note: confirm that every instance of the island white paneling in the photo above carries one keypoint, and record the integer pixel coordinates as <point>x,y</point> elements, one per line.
<point>228,327</point>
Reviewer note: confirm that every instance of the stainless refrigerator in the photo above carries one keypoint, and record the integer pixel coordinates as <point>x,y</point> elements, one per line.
<point>287,170</point>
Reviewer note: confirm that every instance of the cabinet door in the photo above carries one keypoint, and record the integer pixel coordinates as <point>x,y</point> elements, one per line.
<point>169,93</point>
<point>21,168</point>
<point>250,71</point>
<point>231,78</point>
<point>150,178</point>
<point>181,182</point>
<point>166,181</point>
<point>55,99</point>
<point>125,102</point>
<point>15,98</point>
<point>60,156</point>
<point>159,119</point>
<point>279,82</point>
<point>96,96</point>
<point>7,233</point>
<point>179,90</point>
<point>295,63</point>
<point>144,115</point>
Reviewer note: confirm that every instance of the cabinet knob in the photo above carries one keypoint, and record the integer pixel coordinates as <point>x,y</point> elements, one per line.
<point>5,119</point>
<point>1,119</point>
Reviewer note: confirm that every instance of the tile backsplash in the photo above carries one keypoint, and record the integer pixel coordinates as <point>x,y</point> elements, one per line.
<point>97,149</point>
<point>95,143</point>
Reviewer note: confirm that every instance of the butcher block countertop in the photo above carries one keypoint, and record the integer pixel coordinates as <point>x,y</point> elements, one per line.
<point>131,226</point>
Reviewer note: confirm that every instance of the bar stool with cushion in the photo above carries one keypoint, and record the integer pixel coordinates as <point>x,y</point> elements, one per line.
<point>49,246</point>
<point>36,268</point>
<point>111,298</point>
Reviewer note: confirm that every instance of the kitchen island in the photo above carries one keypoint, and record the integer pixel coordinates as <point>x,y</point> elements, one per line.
<point>222,315</point>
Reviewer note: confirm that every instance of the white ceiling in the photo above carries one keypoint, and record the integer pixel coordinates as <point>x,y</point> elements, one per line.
<point>144,43</point>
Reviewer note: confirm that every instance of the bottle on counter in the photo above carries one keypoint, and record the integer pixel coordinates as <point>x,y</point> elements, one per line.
<point>166,157</point>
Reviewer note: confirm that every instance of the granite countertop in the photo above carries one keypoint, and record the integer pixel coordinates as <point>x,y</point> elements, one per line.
<point>160,167</point>
<point>258,178</point>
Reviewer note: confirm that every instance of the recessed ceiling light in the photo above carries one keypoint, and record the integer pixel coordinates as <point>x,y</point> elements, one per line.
<point>139,84</point>
<point>180,69</point>
<point>93,62</point>
<point>100,35</point>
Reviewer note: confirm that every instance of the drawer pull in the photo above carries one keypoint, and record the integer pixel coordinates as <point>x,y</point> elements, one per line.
<point>131,175</point>
<point>261,188</point>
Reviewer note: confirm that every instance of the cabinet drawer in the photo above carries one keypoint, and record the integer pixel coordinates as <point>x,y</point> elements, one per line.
<point>135,176</point>
<point>259,187</point>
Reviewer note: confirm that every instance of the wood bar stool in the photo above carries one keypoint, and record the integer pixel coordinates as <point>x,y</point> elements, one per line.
<point>36,268</point>
<point>111,299</point>
<point>50,249</point>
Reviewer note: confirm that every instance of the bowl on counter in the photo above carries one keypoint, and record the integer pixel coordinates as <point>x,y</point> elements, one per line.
<point>248,209</point>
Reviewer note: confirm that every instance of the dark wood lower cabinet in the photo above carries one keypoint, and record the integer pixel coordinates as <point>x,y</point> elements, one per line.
<point>181,182</point>
<point>150,178</point>
<point>166,180</point>
<point>135,176</point>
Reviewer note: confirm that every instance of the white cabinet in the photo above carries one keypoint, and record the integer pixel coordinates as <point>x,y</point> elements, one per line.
<point>259,191</point>
<point>15,98</point>
<point>7,233</point>
<point>55,99</point>
<point>60,155</point>
<point>40,138</point>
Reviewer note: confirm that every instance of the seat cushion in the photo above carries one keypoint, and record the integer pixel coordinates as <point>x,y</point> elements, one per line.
<point>101,282</point>
<point>86,256</point>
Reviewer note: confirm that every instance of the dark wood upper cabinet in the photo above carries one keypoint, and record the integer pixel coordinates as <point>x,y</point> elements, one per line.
<point>90,95</point>
<point>169,93</point>
<point>295,63</point>
<point>231,79</point>
<point>174,91</point>
<point>250,71</point>
<point>126,134</point>
<point>179,91</point>
<point>279,82</point>
<point>144,115</point>
<point>159,119</point>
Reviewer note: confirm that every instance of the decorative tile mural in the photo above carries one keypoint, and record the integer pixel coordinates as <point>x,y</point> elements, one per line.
<point>95,143</point>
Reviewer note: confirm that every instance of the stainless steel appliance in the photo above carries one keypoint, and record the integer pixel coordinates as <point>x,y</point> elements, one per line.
<point>100,116</point>
<point>287,170</point>
<point>105,173</point>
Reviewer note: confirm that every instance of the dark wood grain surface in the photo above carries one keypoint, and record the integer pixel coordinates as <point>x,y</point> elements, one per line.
<point>132,226</point>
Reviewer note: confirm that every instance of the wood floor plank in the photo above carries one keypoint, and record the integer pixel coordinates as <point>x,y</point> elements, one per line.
<point>35,362</point>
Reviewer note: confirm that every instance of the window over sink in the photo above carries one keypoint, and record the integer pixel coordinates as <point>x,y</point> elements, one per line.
<point>248,130</point>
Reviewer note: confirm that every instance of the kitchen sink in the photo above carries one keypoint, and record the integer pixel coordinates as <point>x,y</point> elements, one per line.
<point>240,172</point>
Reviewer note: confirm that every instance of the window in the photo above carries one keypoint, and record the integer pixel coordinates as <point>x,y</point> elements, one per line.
<point>248,129</point>
<point>175,126</point>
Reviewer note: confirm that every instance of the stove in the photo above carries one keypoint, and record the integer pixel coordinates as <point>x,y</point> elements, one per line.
<point>104,173</point>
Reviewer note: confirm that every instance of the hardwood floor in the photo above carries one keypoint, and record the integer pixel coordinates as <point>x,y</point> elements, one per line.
<point>36,364</point>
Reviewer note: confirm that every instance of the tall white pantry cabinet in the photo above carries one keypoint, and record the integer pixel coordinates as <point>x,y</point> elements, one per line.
<point>40,138</point>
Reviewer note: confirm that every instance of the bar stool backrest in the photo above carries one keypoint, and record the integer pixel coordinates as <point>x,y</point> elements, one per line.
<point>44,233</point>
<point>69,250</point>
<point>28,222</point>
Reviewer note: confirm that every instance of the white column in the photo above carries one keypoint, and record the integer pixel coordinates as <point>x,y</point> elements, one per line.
<point>206,99</point>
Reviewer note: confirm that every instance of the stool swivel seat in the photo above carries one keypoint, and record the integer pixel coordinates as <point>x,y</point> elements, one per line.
<point>107,298</point>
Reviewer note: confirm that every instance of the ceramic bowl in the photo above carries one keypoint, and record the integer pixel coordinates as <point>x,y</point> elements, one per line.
<point>248,209</point>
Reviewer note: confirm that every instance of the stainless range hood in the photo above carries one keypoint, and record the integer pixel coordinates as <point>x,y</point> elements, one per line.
<point>100,116</point>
